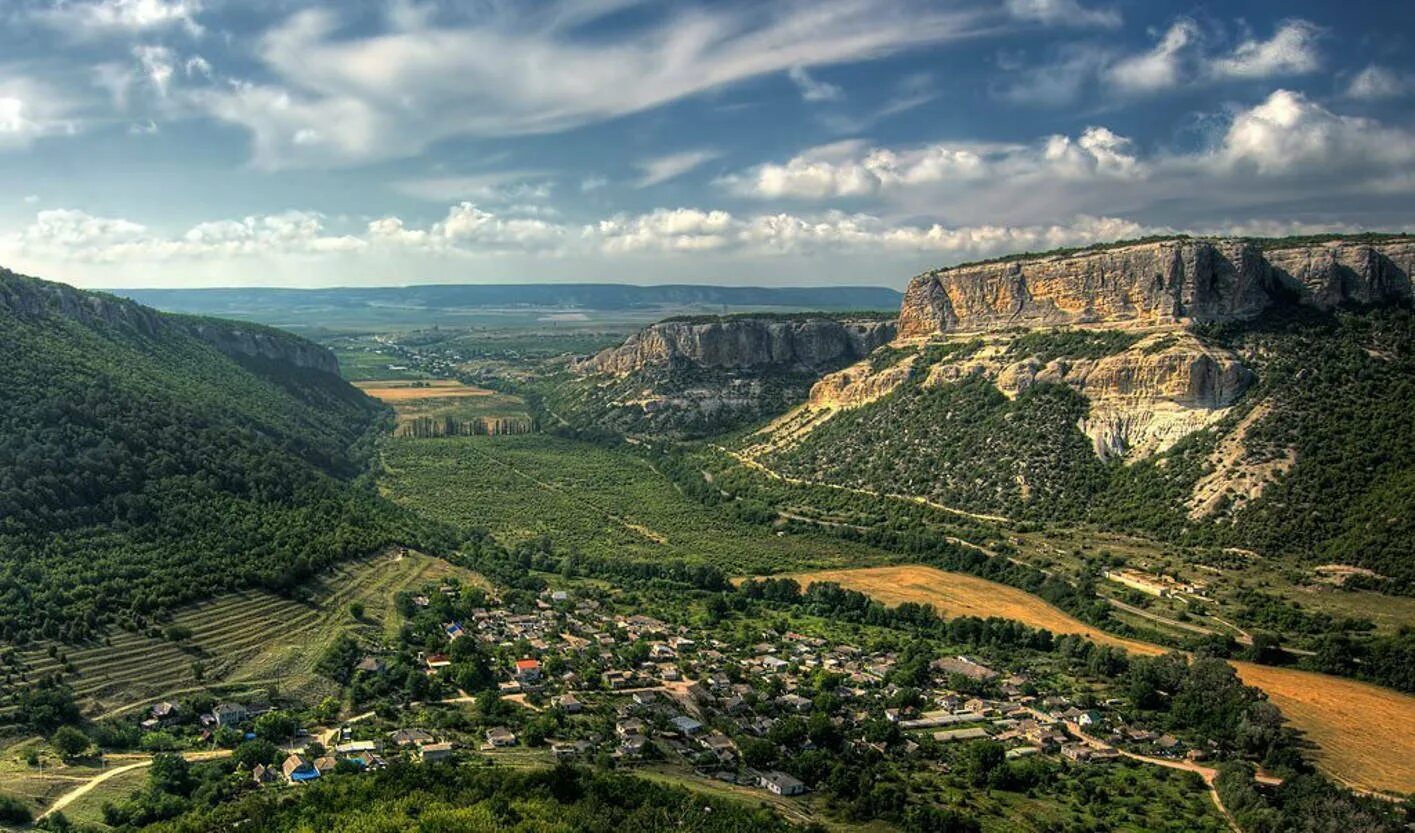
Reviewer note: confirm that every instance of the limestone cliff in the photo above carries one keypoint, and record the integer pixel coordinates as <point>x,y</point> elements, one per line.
<point>1144,399</point>
<point>33,297</point>
<point>745,343</point>
<point>1150,283</point>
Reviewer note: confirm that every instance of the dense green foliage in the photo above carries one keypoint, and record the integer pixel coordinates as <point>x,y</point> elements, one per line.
<point>1047,345</point>
<point>141,468</point>
<point>1305,802</point>
<point>961,444</point>
<point>463,800</point>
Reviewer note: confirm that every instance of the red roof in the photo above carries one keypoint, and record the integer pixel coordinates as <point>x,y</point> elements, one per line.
<point>524,664</point>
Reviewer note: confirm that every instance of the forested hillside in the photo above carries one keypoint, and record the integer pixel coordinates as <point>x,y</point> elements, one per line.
<point>149,460</point>
<point>1334,393</point>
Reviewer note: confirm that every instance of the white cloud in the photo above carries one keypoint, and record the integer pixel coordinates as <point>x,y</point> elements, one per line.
<point>1161,67</point>
<point>470,228</point>
<point>392,94</point>
<point>813,89</point>
<point>1292,50</point>
<point>492,187</point>
<point>1290,134</point>
<point>1184,56</point>
<point>67,235</point>
<point>1063,13</point>
<point>157,66</point>
<point>1374,83</point>
<point>97,17</point>
<point>664,230</point>
<point>849,169</point>
<point>663,168</point>
<point>29,110</point>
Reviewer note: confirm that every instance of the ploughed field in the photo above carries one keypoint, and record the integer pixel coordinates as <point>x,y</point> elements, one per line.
<point>1362,731</point>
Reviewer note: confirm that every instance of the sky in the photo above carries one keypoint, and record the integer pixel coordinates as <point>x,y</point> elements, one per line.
<point>150,143</point>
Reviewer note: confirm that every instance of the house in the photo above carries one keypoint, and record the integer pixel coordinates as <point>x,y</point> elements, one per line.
<point>164,712</point>
<point>433,752</point>
<point>436,662</point>
<point>569,704</point>
<point>559,596</point>
<point>263,775</point>
<point>1088,718</point>
<point>325,764</point>
<point>720,745</point>
<point>659,652</point>
<point>298,770</point>
<point>646,698</point>
<point>964,666</point>
<point>686,725</point>
<point>229,714</point>
<point>633,746</point>
<point>629,728</point>
<point>781,784</point>
<point>953,735</point>
<point>411,737</point>
<point>356,747</point>
<point>371,665</point>
<point>795,702</point>
<point>615,680</point>
<point>527,670</point>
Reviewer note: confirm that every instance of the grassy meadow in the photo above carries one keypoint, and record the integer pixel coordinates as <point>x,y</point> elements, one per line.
<point>602,501</point>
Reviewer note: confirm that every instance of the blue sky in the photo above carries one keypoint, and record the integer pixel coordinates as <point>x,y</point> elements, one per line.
<point>293,143</point>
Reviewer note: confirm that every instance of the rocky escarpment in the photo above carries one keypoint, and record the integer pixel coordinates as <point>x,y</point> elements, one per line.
<point>1146,398</point>
<point>33,298</point>
<point>745,343</point>
<point>1153,283</point>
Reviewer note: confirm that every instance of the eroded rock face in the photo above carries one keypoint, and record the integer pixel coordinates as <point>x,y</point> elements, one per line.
<point>33,297</point>
<point>1153,283</point>
<point>744,343</point>
<point>1147,398</point>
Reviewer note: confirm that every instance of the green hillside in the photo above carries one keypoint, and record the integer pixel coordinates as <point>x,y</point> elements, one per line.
<point>142,467</point>
<point>1338,388</point>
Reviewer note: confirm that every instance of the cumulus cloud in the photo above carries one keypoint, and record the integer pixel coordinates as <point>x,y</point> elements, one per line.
<point>72,235</point>
<point>1185,55</point>
<point>468,227</point>
<point>340,99</point>
<point>1063,13</point>
<point>496,187</point>
<point>1290,134</point>
<point>850,169</point>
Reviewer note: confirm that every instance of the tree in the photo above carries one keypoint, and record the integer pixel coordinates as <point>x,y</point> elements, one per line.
<point>170,773</point>
<point>13,811</point>
<point>254,752</point>
<point>978,760</point>
<point>356,609</point>
<point>275,726</point>
<point>70,742</point>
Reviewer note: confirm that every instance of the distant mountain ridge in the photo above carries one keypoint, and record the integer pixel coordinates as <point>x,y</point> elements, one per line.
<point>590,296</point>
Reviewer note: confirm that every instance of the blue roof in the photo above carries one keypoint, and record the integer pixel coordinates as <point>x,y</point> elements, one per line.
<point>298,775</point>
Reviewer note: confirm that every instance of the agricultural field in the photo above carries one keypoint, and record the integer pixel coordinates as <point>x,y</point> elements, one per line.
<point>602,501</point>
<point>397,392</point>
<point>247,640</point>
<point>1361,731</point>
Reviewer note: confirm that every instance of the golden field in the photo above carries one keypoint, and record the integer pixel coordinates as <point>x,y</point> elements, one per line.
<point>1361,731</point>
<point>397,391</point>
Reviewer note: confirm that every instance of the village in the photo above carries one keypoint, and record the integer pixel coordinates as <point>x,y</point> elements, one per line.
<point>575,681</point>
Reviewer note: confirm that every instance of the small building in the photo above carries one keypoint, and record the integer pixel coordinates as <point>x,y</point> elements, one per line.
<point>411,737</point>
<point>325,765</point>
<point>297,769</point>
<point>500,737</point>
<point>781,784</point>
<point>356,747</point>
<point>433,752</point>
<point>527,670</point>
<point>371,665</point>
<point>569,704</point>
<point>686,725</point>
<point>165,712</point>
<point>229,714</point>
<point>263,775</point>
<point>437,662</point>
